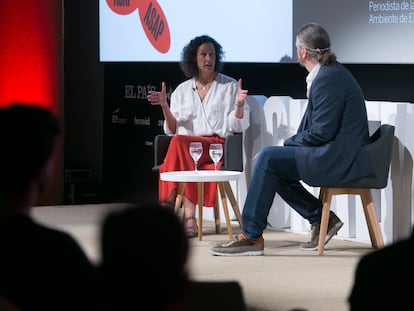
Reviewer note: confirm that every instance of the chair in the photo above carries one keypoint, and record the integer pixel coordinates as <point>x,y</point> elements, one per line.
<point>379,151</point>
<point>232,161</point>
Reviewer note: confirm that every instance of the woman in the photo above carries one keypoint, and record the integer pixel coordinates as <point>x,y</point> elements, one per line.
<point>207,108</point>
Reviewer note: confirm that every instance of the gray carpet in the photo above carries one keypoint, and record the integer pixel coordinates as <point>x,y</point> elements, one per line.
<point>285,278</point>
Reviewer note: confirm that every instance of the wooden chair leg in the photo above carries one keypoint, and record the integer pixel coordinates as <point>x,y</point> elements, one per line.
<point>233,202</point>
<point>374,228</point>
<point>200,189</point>
<point>322,194</point>
<point>217,216</point>
<point>225,209</point>
<point>326,207</point>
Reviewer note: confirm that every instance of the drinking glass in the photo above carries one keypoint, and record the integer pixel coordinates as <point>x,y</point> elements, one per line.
<point>216,152</point>
<point>196,150</point>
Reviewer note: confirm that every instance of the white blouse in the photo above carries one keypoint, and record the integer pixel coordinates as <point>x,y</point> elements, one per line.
<point>215,115</point>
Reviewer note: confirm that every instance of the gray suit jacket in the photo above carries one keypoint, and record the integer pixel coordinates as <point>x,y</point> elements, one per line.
<point>333,130</point>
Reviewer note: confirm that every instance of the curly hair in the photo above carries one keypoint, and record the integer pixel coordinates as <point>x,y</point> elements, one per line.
<point>188,62</point>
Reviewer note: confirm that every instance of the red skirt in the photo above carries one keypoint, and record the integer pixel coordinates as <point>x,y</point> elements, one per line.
<point>178,158</point>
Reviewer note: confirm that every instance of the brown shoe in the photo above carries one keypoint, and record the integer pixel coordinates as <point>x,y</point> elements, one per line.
<point>191,230</point>
<point>334,225</point>
<point>239,246</point>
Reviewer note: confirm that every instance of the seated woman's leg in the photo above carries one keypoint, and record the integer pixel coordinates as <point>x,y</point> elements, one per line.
<point>178,158</point>
<point>190,223</point>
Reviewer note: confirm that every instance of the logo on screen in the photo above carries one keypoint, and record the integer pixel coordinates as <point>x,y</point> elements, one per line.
<point>152,19</point>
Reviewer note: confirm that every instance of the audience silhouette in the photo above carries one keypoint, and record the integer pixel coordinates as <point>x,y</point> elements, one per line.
<point>41,268</point>
<point>144,253</point>
<point>6,305</point>
<point>381,278</point>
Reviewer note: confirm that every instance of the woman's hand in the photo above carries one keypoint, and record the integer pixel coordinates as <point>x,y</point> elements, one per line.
<point>241,94</point>
<point>158,98</point>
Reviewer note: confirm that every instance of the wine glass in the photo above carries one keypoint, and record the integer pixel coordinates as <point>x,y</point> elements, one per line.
<point>196,150</point>
<point>216,152</point>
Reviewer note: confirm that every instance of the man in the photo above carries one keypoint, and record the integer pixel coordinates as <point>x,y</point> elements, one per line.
<point>326,149</point>
<point>40,268</point>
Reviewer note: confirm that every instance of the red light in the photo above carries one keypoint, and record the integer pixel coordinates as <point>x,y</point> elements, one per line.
<point>30,54</point>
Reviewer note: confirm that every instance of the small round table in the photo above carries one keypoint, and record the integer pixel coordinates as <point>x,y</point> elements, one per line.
<point>222,178</point>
